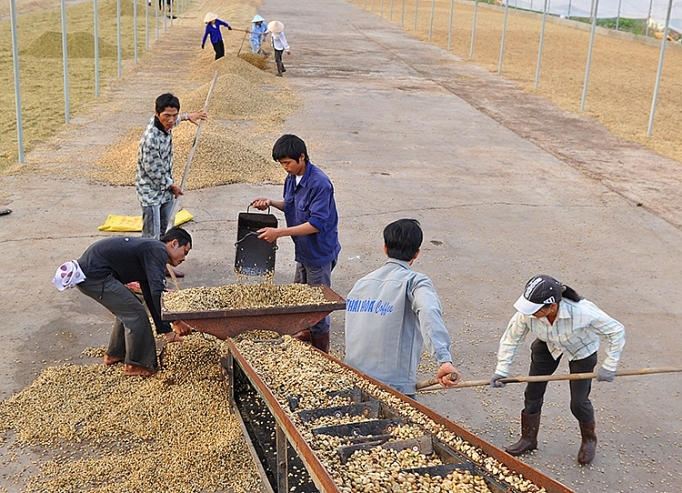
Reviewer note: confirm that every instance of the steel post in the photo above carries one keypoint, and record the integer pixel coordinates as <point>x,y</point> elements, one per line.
<point>17,85</point>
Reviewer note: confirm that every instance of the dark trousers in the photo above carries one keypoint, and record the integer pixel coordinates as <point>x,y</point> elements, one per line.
<point>316,275</point>
<point>219,48</point>
<point>132,337</point>
<point>542,363</point>
<point>278,61</point>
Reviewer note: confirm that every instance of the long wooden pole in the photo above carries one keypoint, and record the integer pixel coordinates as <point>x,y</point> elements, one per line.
<point>433,384</point>
<point>176,201</point>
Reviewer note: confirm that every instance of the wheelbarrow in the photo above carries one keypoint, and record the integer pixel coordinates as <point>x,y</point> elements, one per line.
<point>254,257</point>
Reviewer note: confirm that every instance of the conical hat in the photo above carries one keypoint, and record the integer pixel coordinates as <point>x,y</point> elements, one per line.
<point>210,17</point>
<point>275,27</point>
<point>257,18</point>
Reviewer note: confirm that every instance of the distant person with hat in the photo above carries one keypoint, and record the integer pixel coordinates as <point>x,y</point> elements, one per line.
<point>213,30</point>
<point>563,322</point>
<point>259,31</point>
<point>279,44</point>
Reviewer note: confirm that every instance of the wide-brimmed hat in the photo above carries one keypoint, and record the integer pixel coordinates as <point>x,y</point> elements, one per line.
<point>210,17</point>
<point>275,27</point>
<point>539,291</point>
<point>257,18</point>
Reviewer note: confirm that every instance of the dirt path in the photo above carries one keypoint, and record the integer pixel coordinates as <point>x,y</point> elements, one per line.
<point>504,184</point>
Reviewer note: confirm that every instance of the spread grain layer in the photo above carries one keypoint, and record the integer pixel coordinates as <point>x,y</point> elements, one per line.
<point>371,470</point>
<point>106,432</point>
<point>241,296</point>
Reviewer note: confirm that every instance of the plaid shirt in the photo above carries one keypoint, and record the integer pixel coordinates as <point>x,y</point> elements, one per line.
<point>575,332</point>
<point>155,165</point>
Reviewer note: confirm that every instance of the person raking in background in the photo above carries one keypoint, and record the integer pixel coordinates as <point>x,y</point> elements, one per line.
<point>154,178</point>
<point>279,44</point>
<point>102,272</point>
<point>213,30</point>
<point>312,222</point>
<point>392,312</point>
<point>259,31</point>
<point>563,322</point>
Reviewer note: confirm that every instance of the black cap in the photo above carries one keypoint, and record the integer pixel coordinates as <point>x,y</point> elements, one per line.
<point>539,291</point>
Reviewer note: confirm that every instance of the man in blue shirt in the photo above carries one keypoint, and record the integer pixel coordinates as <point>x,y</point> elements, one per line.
<point>312,221</point>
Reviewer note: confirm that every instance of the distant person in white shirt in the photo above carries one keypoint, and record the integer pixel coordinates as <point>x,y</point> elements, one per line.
<point>279,44</point>
<point>563,323</point>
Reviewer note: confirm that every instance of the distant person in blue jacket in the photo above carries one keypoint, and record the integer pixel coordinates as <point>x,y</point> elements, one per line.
<point>213,29</point>
<point>259,32</point>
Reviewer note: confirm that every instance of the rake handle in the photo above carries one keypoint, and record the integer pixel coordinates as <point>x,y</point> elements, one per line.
<point>425,385</point>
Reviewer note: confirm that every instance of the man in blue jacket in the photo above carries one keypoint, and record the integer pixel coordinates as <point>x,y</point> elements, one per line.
<point>312,221</point>
<point>392,311</point>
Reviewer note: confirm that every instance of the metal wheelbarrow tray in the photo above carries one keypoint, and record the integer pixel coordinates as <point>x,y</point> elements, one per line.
<point>281,319</point>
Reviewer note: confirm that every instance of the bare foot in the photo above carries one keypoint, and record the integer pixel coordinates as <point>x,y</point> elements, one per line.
<point>112,360</point>
<point>173,337</point>
<point>138,371</point>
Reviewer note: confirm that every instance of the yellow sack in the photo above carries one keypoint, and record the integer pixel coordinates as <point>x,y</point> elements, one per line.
<point>128,224</point>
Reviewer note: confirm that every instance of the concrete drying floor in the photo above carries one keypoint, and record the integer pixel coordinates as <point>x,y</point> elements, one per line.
<point>387,118</point>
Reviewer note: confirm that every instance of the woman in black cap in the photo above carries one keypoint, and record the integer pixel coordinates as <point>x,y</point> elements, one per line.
<point>563,323</point>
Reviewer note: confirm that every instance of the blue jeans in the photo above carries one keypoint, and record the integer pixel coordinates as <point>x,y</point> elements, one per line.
<point>155,219</point>
<point>316,275</point>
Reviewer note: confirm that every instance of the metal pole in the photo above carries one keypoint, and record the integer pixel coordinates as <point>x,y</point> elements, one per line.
<point>146,25</point>
<point>433,11</point>
<point>473,31</point>
<point>618,15</point>
<point>165,16</point>
<point>664,41</point>
<point>65,62</point>
<point>568,15</point>
<point>95,30</point>
<point>648,18</point>
<point>171,12</point>
<point>452,9</point>
<point>402,18</point>
<point>390,15</point>
<point>17,87</point>
<point>542,39</point>
<point>416,14</point>
<point>118,35</point>
<point>372,8</point>
<point>156,16</point>
<point>135,30</point>
<point>589,54</point>
<point>504,35</point>
<point>381,8</point>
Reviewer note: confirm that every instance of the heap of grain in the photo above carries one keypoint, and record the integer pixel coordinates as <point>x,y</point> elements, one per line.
<point>241,296</point>
<point>111,433</point>
<point>226,151</point>
<point>375,469</point>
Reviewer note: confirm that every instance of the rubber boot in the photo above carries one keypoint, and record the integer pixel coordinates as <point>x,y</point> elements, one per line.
<point>588,447</point>
<point>280,66</point>
<point>530,424</point>
<point>320,341</point>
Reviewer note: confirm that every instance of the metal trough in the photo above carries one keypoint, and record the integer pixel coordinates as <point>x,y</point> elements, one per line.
<point>283,320</point>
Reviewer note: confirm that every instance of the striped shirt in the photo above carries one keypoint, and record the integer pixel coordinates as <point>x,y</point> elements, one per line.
<point>575,332</point>
<point>155,165</point>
